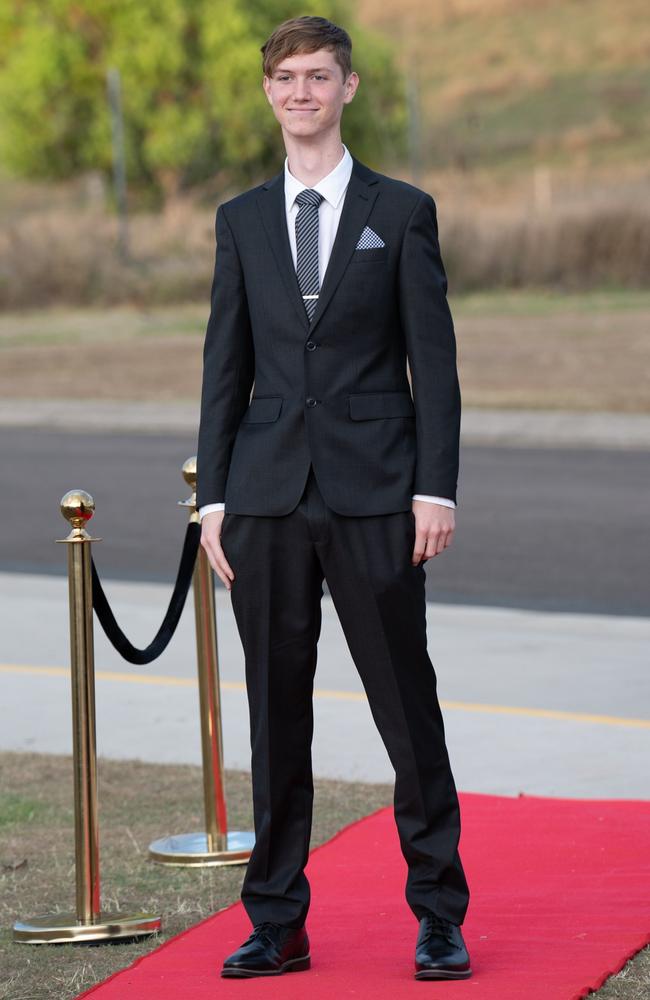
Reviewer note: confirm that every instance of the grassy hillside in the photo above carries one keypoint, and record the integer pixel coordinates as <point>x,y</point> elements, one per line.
<point>505,84</point>
<point>533,136</point>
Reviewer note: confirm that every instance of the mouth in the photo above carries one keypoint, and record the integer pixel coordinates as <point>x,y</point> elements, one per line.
<point>302,111</point>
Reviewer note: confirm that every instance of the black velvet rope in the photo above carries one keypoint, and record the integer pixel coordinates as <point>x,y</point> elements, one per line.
<point>172,615</point>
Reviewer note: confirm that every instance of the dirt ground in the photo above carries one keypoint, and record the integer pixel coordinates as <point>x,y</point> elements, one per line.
<point>588,352</point>
<point>139,802</point>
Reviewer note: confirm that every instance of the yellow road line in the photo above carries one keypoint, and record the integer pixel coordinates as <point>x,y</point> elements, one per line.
<point>549,713</point>
<point>462,706</point>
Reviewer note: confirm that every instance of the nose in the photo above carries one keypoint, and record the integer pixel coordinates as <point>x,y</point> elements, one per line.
<point>301,89</point>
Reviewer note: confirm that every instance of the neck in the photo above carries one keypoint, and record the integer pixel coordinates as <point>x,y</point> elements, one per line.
<point>312,159</point>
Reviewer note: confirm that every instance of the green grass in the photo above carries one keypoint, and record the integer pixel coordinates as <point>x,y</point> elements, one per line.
<point>65,325</point>
<point>17,809</point>
<point>70,326</point>
<point>503,85</point>
<point>539,303</point>
<point>576,112</point>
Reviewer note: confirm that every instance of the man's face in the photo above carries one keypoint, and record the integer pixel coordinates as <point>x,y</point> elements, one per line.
<point>307,92</point>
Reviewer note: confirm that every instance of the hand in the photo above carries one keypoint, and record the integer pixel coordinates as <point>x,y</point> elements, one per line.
<point>211,542</point>
<point>434,528</point>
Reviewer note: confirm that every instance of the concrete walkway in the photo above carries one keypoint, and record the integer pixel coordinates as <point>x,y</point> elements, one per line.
<point>557,428</point>
<point>542,703</point>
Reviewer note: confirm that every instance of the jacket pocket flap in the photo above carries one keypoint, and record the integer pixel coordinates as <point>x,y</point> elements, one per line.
<point>262,410</point>
<point>369,405</point>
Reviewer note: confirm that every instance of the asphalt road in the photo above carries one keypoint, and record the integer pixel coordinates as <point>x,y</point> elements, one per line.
<point>539,528</point>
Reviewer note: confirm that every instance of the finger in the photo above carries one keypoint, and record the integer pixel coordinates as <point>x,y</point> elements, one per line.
<point>438,541</point>
<point>221,555</point>
<point>431,547</point>
<point>449,536</point>
<point>224,579</point>
<point>218,561</point>
<point>207,545</point>
<point>418,549</point>
<point>223,567</point>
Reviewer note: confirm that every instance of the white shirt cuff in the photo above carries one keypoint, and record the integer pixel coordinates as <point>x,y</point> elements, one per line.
<point>442,500</point>
<point>209,507</point>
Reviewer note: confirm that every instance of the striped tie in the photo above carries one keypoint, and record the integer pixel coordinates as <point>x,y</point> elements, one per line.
<point>307,247</point>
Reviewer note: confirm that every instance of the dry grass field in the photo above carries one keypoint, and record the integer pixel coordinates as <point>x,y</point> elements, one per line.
<point>504,85</point>
<point>590,238</point>
<point>586,351</point>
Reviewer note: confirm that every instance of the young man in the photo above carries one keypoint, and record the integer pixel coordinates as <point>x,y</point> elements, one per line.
<point>327,278</point>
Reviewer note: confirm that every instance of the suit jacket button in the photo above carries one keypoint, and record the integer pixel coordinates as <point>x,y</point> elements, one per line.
<point>310,401</point>
<point>310,345</point>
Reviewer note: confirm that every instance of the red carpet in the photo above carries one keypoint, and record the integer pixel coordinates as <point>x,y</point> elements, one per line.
<point>560,900</point>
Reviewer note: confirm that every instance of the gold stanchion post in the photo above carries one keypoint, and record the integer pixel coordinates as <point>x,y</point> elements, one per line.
<point>88,923</point>
<point>216,845</point>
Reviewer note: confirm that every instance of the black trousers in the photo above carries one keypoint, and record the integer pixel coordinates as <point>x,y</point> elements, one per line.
<point>379,596</point>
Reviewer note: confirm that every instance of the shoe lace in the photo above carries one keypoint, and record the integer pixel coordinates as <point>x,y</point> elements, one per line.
<point>265,930</point>
<point>438,926</point>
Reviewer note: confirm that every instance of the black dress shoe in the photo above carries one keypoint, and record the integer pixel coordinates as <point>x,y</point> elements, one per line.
<point>270,950</point>
<point>440,952</point>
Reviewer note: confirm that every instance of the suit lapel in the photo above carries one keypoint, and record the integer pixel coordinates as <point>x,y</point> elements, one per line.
<point>359,199</point>
<point>271,204</point>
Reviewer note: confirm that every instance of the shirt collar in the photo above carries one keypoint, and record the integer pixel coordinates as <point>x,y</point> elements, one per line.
<point>332,186</point>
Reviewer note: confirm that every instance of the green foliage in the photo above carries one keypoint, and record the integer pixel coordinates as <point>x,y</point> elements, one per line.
<point>191,88</point>
<point>17,809</point>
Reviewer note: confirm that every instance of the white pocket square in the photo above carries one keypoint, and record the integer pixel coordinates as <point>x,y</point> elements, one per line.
<point>369,239</point>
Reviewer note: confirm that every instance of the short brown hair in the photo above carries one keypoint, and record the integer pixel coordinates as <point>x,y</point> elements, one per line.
<point>307,34</point>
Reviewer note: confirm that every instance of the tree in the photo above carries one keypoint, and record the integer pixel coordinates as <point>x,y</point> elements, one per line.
<point>191,85</point>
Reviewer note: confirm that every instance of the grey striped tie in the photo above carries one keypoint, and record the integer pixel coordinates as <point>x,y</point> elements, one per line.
<point>307,247</point>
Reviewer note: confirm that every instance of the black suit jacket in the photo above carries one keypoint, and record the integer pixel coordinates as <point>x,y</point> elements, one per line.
<point>334,392</point>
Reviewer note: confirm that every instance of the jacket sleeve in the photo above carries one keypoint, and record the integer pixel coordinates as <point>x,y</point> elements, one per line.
<point>228,368</point>
<point>431,350</point>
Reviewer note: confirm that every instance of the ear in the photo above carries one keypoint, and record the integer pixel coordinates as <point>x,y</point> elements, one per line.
<point>351,85</point>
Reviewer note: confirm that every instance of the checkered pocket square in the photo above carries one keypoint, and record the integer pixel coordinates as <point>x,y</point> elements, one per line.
<point>369,239</point>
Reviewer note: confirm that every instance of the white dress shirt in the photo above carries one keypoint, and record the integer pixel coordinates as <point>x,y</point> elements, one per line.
<point>333,187</point>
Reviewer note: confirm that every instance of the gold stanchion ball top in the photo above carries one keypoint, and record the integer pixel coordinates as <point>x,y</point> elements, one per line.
<point>189,472</point>
<point>77,507</point>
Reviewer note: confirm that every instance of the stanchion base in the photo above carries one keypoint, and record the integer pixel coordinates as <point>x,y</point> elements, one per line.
<point>64,928</point>
<point>189,849</point>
